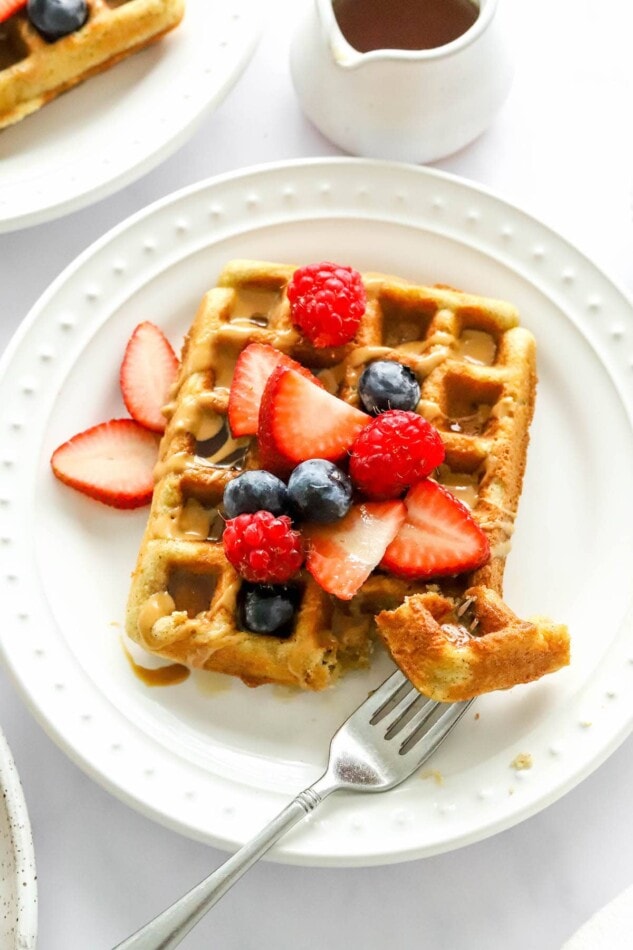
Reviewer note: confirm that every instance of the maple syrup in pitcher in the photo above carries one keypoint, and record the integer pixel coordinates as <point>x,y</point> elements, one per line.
<point>403,24</point>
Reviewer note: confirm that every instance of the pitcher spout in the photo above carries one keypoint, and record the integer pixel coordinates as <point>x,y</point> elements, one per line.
<point>342,53</point>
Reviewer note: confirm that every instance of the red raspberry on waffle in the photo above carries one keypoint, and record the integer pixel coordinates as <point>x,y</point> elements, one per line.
<point>263,548</point>
<point>393,452</point>
<point>327,302</point>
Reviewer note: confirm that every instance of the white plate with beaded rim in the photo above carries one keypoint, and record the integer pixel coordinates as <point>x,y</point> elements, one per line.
<point>18,881</point>
<point>119,124</point>
<point>209,757</point>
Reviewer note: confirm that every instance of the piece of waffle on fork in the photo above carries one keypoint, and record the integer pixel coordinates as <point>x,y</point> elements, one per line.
<point>35,68</point>
<point>452,634</point>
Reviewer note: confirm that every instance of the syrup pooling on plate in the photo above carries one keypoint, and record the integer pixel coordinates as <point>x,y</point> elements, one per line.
<point>169,675</point>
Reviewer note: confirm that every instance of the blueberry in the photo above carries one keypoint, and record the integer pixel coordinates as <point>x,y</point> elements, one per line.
<point>57,18</point>
<point>268,609</point>
<point>255,491</point>
<point>385,385</point>
<point>319,491</point>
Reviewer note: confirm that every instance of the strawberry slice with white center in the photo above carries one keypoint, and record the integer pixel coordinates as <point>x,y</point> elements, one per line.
<point>439,537</point>
<point>253,369</point>
<point>9,7</point>
<point>341,556</point>
<point>148,372</point>
<point>112,462</point>
<point>299,420</point>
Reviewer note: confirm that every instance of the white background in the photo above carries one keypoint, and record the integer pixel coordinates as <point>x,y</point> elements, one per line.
<point>561,149</point>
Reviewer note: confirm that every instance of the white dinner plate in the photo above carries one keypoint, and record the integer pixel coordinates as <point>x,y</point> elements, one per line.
<point>609,928</point>
<point>116,126</point>
<point>18,881</point>
<point>211,757</point>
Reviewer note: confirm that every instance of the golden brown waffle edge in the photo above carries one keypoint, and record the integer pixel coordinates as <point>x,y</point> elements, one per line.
<point>477,371</point>
<point>34,71</point>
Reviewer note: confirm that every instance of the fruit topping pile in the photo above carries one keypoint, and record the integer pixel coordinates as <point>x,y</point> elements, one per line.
<point>114,461</point>
<point>342,490</point>
<point>53,19</point>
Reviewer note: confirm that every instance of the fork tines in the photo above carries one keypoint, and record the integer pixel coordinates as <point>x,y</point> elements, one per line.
<point>397,711</point>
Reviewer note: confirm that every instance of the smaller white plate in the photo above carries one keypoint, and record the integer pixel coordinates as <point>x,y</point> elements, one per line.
<point>111,129</point>
<point>18,887</point>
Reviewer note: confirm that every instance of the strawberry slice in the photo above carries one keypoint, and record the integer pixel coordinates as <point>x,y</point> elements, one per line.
<point>341,556</point>
<point>299,421</point>
<point>253,369</point>
<point>112,462</point>
<point>439,537</point>
<point>148,371</point>
<point>9,7</point>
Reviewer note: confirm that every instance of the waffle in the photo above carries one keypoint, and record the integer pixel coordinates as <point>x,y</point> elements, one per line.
<point>34,71</point>
<point>476,368</point>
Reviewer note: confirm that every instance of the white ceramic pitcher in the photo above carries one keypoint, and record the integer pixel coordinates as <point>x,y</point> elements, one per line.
<point>408,105</point>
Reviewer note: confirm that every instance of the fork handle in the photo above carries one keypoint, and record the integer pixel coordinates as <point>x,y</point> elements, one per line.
<point>174,923</point>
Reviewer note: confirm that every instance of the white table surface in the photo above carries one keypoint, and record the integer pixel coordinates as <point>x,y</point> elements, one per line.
<point>561,149</point>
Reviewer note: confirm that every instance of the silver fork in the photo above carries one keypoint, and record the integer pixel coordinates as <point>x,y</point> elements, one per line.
<point>386,739</point>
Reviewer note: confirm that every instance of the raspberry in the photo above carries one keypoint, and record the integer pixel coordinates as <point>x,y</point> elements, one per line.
<point>327,302</point>
<point>396,450</point>
<point>262,548</point>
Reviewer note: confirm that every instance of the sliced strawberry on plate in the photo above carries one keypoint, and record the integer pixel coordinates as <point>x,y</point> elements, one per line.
<point>439,536</point>
<point>341,556</point>
<point>299,420</point>
<point>148,372</point>
<point>9,7</point>
<point>112,462</point>
<point>253,369</point>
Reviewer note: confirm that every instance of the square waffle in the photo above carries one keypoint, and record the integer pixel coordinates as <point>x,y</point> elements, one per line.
<point>476,368</point>
<point>33,71</point>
